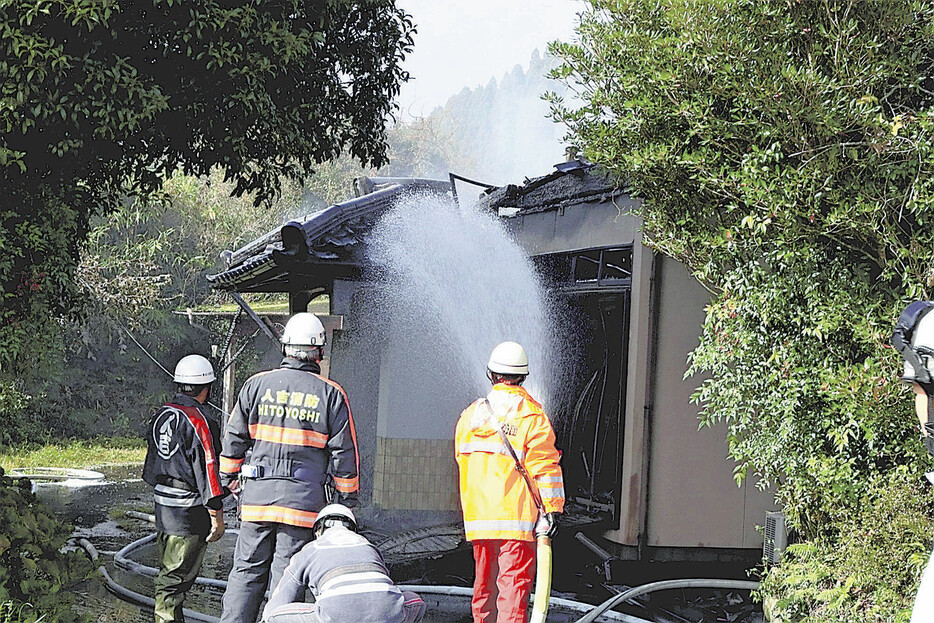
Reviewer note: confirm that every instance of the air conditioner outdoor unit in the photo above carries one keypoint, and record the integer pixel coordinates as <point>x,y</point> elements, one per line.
<point>776,537</point>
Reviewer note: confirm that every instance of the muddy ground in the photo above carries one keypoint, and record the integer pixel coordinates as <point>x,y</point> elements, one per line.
<point>97,511</point>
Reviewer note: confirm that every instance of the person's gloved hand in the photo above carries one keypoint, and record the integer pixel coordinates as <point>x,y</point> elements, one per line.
<point>231,482</point>
<point>217,525</point>
<point>546,525</point>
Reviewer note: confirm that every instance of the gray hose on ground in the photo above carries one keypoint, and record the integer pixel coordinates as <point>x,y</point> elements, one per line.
<point>149,517</point>
<point>591,616</point>
<point>461,591</point>
<point>122,560</point>
<point>132,596</point>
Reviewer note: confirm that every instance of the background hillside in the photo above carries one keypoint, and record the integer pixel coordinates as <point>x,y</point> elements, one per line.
<point>149,260</point>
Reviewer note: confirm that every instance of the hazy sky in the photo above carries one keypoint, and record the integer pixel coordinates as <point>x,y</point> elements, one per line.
<point>464,43</point>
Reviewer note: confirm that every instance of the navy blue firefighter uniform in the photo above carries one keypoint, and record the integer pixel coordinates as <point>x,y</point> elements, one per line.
<point>301,432</point>
<point>182,467</point>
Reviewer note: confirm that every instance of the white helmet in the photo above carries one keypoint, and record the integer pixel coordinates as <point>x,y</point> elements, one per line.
<point>337,512</point>
<point>922,343</point>
<point>509,358</point>
<point>303,329</point>
<point>194,370</point>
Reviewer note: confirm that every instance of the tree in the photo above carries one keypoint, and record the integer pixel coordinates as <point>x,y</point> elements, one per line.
<point>100,99</point>
<point>784,151</point>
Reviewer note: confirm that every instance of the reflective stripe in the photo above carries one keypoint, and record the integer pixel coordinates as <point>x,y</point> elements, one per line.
<point>174,502</point>
<point>353,589</point>
<point>551,494</point>
<point>346,485</point>
<point>230,466</point>
<point>354,577</point>
<point>294,609</point>
<point>488,446</point>
<point>353,429</point>
<point>278,514</point>
<point>174,491</point>
<point>288,436</point>
<point>546,479</point>
<point>492,525</point>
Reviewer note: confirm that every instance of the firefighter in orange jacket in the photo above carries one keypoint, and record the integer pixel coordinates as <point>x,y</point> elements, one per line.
<point>297,428</point>
<point>501,516</point>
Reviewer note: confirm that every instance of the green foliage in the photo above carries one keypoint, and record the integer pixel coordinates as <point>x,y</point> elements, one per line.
<point>34,571</point>
<point>784,151</point>
<point>100,99</point>
<point>35,282</point>
<point>12,612</point>
<point>152,256</point>
<point>14,403</point>
<point>870,572</point>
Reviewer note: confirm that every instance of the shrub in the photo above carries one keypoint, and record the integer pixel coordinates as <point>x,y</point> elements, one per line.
<point>34,571</point>
<point>869,572</point>
<point>784,152</point>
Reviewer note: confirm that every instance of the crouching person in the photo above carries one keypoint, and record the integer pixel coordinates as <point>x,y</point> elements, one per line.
<point>346,576</point>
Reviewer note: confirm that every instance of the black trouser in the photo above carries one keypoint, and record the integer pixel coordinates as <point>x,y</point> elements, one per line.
<point>263,552</point>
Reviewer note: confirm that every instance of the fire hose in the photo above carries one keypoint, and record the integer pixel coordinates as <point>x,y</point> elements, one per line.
<point>132,596</point>
<point>541,596</point>
<point>121,559</point>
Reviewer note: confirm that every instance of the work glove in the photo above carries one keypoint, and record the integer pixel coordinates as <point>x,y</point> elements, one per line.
<point>217,525</point>
<point>547,525</point>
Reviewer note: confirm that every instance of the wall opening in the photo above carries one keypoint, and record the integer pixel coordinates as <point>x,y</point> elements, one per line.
<point>594,287</point>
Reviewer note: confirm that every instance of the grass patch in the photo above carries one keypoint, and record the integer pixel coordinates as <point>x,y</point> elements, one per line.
<point>76,454</point>
<point>279,305</point>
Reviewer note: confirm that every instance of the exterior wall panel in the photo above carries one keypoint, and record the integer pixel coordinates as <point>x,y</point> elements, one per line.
<point>580,226</point>
<point>693,500</point>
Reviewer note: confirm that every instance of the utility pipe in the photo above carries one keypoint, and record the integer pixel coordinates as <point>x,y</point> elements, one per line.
<point>604,555</point>
<point>592,546</point>
<point>591,616</point>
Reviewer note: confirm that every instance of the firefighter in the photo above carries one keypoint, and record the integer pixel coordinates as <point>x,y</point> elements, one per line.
<point>299,429</point>
<point>914,339</point>
<point>501,516</point>
<point>347,577</point>
<point>181,465</point>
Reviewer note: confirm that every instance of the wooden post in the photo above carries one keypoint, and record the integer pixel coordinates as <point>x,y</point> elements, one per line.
<point>230,392</point>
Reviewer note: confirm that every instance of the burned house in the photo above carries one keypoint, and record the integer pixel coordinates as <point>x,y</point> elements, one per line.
<point>637,469</point>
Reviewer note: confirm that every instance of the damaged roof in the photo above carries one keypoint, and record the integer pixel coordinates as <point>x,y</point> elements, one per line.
<point>571,183</point>
<point>317,248</point>
<point>310,252</point>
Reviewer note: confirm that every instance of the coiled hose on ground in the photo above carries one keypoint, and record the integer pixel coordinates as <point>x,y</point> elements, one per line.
<point>132,596</point>
<point>651,587</point>
<point>592,613</point>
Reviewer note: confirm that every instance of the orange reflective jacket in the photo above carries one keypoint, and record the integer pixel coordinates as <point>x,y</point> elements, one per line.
<point>496,501</point>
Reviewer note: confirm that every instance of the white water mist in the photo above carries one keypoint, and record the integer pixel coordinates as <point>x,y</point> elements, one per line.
<point>453,285</point>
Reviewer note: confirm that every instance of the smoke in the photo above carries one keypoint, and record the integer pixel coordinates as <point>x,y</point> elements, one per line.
<point>501,132</point>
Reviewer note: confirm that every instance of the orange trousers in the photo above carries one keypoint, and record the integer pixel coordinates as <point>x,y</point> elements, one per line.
<point>504,571</point>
